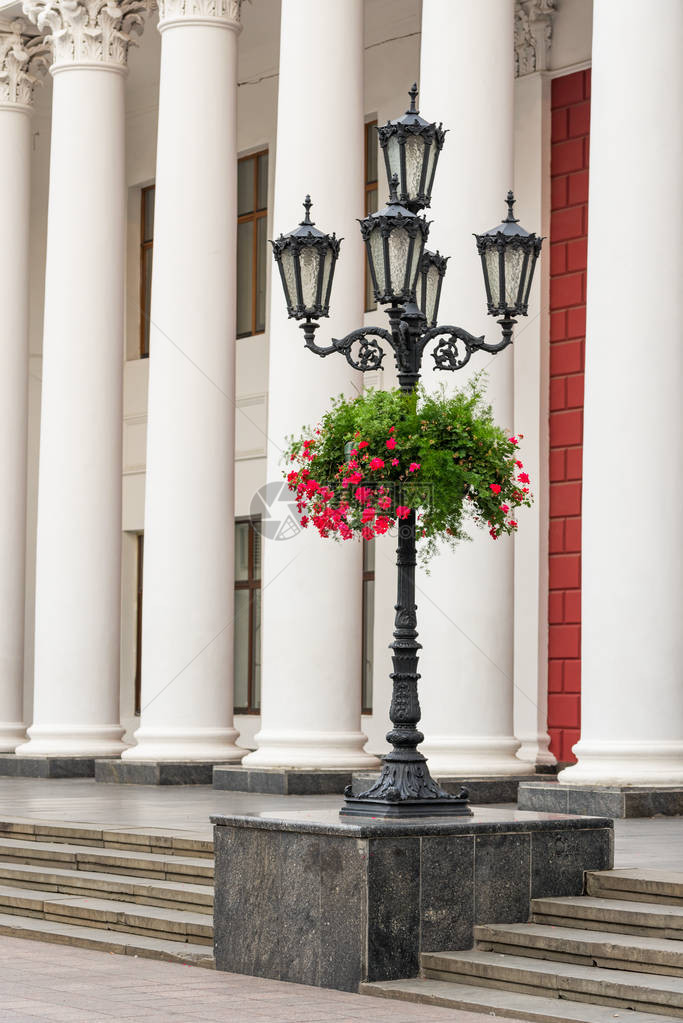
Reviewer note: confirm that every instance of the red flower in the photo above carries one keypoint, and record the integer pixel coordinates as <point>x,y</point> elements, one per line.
<point>402,512</point>
<point>368,514</point>
<point>505,508</point>
<point>523,477</point>
<point>413,467</point>
<point>519,464</point>
<point>495,487</point>
<point>376,463</point>
<point>391,443</point>
<point>363,444</point>
<point>382,524</point>
<point>512,523</point>
<point>513,440</point>
<point>384,502</point>
<point>391,429</point>
<point>304,521</point>
<point>394,461</point>
<point>354,478</point>
<point>367,532</point>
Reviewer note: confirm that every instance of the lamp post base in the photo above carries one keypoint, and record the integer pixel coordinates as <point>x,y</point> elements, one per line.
<point>448,806</point>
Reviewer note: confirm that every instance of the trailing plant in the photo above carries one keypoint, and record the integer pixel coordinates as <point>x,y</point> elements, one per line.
<point>374,459</point>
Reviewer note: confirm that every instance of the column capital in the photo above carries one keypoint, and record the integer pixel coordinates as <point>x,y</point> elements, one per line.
<point>222,12</point>
<point>94,32</point>
<point>533,35</point>
<point>23,61</point>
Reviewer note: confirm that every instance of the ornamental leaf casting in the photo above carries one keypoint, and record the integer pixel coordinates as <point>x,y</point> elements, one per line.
<point>23,62</point>
<point>88,31</point>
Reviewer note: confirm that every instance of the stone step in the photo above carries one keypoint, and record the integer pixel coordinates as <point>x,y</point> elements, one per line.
<point>197,898</point>
<point>625,989</point>
<point>492,1002</point>
<point>108,914</point>
<point>135,839</point>
<point>663,886</point>
<point>586,947</point>
<point>62,933</point>
<point>119,861</point>
<point>623,916</point>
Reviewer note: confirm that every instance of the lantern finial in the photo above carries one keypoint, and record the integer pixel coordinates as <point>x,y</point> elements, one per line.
<point>306,222</point>
<point>393,189</point>
<point>511,218</point>
<point>412,92</point>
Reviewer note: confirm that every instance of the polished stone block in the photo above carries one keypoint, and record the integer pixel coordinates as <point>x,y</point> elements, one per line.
<point>606,800</point>
<point>46,767</point>
<point>280,781</point>
<point>130,772</point>
<point>315,898</point>
<point>482,790</point>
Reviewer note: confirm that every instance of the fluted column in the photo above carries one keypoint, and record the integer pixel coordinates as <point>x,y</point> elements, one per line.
<point>466,603</point>
<point>187,628</point>
<point>632,555</point>
<point>311,674</point>
<point>77,630</point>
<point>21,60</point>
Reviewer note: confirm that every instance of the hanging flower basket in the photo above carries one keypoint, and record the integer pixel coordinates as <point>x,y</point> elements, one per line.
<point>374,459</point>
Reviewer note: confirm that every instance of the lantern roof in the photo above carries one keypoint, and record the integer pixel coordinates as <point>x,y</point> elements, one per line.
<point>412,123</point>
<point>306,227</point>
<point>510,227</point>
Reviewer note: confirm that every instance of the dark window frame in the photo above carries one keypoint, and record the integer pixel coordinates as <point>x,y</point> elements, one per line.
<point>138,624</point>
<point>254,216</point>
<point>146,245</point>
<point>367,641</point>
<point>371,188</point>
<point>251,583</point>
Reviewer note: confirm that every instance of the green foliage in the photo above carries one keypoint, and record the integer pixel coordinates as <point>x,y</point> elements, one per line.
<point>461,455</point>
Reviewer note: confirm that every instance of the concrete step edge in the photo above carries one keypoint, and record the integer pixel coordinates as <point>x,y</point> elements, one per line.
<point>12,850</point>
<point>495,1002</point>
<point>552,975</point>
<point>67,833</point>
<point>577,940</point>
<point>133,885</point>
<point>37,929</point>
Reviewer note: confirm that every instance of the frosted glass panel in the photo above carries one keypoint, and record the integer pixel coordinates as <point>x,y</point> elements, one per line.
<point>415,266</point>
<point>432,288</point>
<point>414,155</point>
<point>327,266</point>
<point>309,260</point>
<point>393,152</point>
<point>290,279</point>
<point>514,261</point>
<point>399,243</point>
<point>492,265</point>
<point>377,249</point>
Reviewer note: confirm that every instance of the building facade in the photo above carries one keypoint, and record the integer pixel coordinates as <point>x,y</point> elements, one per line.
<point>157,598</point>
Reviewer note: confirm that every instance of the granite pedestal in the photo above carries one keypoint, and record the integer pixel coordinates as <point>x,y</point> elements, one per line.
<point>607,800</point>
<point>161,772</point>
<point>501,789</point>
<point>281,781</point>
<point>13,766</point>
<point>313,898</point>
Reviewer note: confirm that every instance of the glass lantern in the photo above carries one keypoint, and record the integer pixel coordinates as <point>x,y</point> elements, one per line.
<point>432,273</point>
<point>411,149</point>
<point>508,258</point>
<point>306,259</point>
<point>394,241</point>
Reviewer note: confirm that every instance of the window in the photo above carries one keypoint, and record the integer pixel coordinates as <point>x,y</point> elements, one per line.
<point>247,617</point>
<point>138,628</point>
<point>252,202</point>
<point>368,623</point>
<point>146,243</point>
<point>370,198</point>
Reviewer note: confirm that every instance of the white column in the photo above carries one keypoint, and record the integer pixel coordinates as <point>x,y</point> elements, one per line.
<point>187,627</point>
<point>19,57</point>
<point>311,698</point>
<point>466,603</point>
<point>76,703</point>
<point>632,644</point>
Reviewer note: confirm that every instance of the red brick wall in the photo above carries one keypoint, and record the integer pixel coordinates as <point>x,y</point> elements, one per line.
<point>568,227</point>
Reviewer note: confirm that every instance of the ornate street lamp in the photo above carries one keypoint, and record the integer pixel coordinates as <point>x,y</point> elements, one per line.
<point>411,149</point>
<point>432,273</point>
<point>403,275</point>
<point>306,258</point>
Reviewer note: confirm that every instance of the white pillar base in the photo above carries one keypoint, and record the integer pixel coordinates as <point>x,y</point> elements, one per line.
<point>65,741</point>
<point>12,734</point>
<point>214,744</point>
<point>311,750</point>
<point>625,763</point>
<point>474,756</point>
<point>534,750</point>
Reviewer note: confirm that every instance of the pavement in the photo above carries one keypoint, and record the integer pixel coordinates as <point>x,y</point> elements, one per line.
<point>63,984</point>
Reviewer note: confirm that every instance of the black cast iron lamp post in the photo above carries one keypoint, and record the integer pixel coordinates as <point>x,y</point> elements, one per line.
<point>403,274</point>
